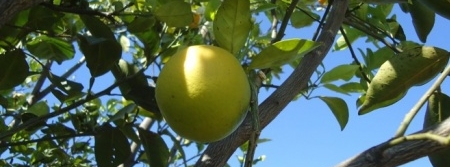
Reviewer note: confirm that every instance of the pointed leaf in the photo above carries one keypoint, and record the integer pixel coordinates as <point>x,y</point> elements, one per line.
<point>413,67</point>
<point>335,88</point>
<point>101,54</point>
<point>422,18</point>
<point>282,52</point>
<point>96,27</point>
<point>344,72</point>
<point>14,69</point>
<point>121,113</point>
<point>111,147</point>
<point>65,85</point>
<point>301,19</point>
<point>352,87</point>
<point>339,109</point>
<point>232,24</point>
<point>175,13</point>
<point>155,148</point>
<point>41,108</point>
<point>45,47</point>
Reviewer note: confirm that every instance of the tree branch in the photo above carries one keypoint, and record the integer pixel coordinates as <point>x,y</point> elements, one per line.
<point>217,153</point>
<point>9,8</point>
<point>401,153</point>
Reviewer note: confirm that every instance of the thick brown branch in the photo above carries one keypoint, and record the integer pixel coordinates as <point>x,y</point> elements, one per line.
<point>9,8</point>
<point>219,152</point>
<point>401,153</point>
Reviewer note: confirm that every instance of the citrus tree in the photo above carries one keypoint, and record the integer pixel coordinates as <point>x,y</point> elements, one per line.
<point>50,118</point>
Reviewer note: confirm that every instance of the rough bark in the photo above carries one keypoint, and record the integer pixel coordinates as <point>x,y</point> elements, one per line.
<point>218,153</point>
<point>9,8</point>
<point>401,153</point>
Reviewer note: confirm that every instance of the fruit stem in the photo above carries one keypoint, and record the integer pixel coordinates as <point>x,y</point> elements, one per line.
<point>254,81</point>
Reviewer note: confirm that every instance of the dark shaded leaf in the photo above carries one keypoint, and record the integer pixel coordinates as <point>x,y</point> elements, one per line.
<point>14,69</point>
<point>101,54</point>
<point>45,47</point>
<point>155,148</point>
<point>111,147</point>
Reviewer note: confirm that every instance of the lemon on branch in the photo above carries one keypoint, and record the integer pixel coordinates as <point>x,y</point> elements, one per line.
<point>203,93</point>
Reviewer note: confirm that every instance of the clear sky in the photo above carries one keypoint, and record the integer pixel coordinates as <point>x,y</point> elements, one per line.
<point>306,132</point>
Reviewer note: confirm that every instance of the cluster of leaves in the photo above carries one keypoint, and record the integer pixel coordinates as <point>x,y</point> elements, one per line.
<point>57,133</point>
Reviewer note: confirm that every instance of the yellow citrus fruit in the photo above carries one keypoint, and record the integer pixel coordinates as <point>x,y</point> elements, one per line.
<point>203,93</point>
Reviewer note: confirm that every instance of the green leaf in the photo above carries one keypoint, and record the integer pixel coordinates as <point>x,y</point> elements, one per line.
<point>413,67</point>
<point>122,112</point>
<point>244,147</point>
<point>11,35</point>
<point>175,13</point>
<point>232,24</point>
<point>211,8</point>
<point>300,19</point>
<point>339,109</point>
<point>352,35</point>
<point>14,69</point>
<point>45,47</point>
<point>43,18</point>
<point>352,87</point>
<point>111,147</point>
<point>155,148</point>
<point>65,85</point>
<point>335,88</point>
<point>282,52</point>
<point>422,18</point>
<point>101,54</point>
<point>344,72</point>
<point>96,27</point>
<point>141,24</point>
<point>41,108</point>
<point>265,7</point>
<point>374,60</point>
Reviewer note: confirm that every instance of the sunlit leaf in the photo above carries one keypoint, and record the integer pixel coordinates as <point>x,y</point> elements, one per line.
<point>232,24</point>
<point>14,69</point>
<point>282,52</point>
<point>335,88</point>
<point>413,67</point>
<point>175,13</point>
<point>344,72</point>
<point>339,109</point>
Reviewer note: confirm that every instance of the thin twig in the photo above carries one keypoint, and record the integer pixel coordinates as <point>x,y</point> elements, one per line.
<point>48,89</point>
<point>352,52</point>
<point>285,21</point>
<point>37,120</point>
<point>412,113</point>
<point>5,144</point>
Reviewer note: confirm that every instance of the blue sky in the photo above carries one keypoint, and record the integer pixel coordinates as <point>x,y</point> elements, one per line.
<point>306,132</point>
